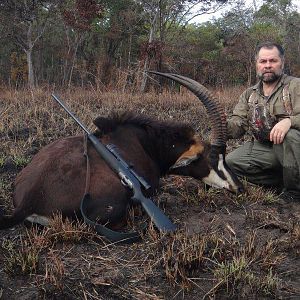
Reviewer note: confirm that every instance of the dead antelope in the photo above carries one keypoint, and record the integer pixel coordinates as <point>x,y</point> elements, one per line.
<point>54,181</point>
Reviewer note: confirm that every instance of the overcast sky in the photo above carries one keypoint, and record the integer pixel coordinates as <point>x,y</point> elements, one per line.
<point>208,17</point>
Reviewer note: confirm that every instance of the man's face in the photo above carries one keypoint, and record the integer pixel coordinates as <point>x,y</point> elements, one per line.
<point>269,65</point>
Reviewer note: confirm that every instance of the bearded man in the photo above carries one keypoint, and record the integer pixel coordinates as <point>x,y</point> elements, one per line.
<point>271,109</point>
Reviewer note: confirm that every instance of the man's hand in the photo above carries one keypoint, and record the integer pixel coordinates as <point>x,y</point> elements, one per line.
<point>279,131</point>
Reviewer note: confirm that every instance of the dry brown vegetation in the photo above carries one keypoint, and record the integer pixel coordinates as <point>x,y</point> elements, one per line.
<point>227,247</point>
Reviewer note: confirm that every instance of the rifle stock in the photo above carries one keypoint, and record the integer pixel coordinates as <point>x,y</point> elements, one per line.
<point>161,221</point>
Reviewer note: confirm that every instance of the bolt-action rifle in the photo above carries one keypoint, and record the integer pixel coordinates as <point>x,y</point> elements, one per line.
<point>127,176</point>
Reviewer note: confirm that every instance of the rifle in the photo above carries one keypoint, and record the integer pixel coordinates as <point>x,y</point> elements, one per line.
<point>127,176</point>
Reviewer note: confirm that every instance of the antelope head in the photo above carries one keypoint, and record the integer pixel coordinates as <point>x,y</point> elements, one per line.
<point>219,174</point>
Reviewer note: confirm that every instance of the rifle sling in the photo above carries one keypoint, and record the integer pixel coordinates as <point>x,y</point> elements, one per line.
<point>111,235</point>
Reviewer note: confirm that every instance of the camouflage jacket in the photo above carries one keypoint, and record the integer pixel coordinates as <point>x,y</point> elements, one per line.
<point>242,115</point>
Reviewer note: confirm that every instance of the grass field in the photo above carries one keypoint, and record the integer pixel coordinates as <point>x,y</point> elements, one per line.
<point>227,247</point>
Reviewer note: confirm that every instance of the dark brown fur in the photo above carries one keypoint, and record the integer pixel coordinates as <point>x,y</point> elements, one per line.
<point>54,181</point>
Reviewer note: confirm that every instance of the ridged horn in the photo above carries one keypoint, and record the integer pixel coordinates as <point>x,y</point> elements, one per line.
<point>212,105</point>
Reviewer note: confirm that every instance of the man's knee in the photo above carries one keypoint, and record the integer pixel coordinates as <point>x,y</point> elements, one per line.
<point>232,160</point>
<point>229,159</point>
<point>292,136</point>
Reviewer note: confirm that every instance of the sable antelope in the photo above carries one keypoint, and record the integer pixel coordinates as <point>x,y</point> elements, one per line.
<point>54,181</point>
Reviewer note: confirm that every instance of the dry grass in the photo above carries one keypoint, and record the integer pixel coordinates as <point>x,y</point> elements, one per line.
<point>227,246</point>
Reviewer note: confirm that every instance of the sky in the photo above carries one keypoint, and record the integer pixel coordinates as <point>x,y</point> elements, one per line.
<point>208,17</point>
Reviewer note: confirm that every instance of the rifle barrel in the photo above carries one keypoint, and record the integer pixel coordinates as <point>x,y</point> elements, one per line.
<point>133,181</point>
<point>70,113</point>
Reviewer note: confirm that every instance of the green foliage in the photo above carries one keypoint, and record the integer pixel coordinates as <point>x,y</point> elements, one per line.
<point>20,161</point>
<point>23,260</point>
<point>237,272</point>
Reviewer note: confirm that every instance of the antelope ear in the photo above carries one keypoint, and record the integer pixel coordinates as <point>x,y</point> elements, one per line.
<point>190,155</point>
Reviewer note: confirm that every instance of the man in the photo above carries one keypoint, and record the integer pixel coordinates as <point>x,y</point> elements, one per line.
<point>271,109</point>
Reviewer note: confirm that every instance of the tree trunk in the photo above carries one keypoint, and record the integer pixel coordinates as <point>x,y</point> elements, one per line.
<point>66,64</point>
<point>77,43</point>
<point>107,64</point>
<point>28,52</point>
<point>147,60</point>
<point>30,69</point>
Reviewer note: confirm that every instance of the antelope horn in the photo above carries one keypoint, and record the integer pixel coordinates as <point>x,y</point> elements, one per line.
<point>212,105</point>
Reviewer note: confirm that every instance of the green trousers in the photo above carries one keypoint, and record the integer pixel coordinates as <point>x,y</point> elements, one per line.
<point>268,164</point>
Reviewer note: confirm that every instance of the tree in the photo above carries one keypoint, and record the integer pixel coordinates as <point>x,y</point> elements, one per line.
<point>104,42</point>
<point>120,27</point>
<point>78,16</point>
<point>167,14</point>
<point>24,22</point>
<point>282,15</point>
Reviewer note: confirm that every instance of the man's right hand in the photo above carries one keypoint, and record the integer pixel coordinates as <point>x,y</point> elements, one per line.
<point>279,131</point>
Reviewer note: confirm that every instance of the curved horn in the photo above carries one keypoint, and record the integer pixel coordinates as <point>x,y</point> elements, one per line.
<point>212,105</point>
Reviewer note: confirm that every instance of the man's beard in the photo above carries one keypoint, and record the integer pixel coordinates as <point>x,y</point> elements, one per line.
<point>269,77</point>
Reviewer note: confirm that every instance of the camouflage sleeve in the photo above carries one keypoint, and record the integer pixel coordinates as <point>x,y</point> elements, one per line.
<point>294,90</point>
<point>237,124</point>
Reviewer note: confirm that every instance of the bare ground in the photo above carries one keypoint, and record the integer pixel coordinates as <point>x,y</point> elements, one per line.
<point>227,246</point>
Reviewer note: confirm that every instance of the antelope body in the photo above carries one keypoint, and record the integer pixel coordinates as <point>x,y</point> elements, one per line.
<point>54,181</point>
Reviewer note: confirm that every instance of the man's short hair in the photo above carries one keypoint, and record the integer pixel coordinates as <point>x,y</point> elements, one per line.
<point>269,45</point>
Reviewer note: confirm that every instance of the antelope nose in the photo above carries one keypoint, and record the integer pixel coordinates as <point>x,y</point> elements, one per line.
<point>238,189</point>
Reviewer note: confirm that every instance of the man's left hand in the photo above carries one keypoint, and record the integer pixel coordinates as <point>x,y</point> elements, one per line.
<point>279,131</point>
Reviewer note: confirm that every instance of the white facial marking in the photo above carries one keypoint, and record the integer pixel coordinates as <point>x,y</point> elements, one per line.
<point>213,179</point>
<point>225,172</point>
